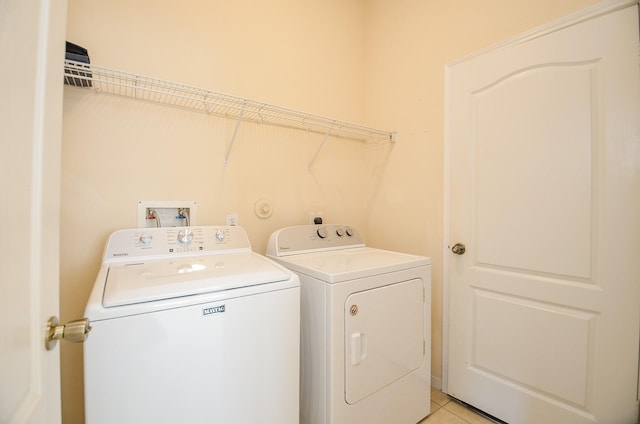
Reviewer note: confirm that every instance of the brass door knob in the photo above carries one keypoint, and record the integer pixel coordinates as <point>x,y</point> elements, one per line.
<point>76,331</point>
<point>459,249</point>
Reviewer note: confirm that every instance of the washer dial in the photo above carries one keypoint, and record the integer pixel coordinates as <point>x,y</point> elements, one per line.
<point>145,239</point>
<point>185,237</point>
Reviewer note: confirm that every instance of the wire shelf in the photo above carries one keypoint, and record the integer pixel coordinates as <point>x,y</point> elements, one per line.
<point>111,81</point>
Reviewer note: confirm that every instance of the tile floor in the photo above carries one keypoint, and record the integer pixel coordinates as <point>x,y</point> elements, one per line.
<point>444,410</point>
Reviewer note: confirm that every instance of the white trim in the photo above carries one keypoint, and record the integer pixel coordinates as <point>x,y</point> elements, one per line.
<point>436,382</point>
<point>444,384</point>
<point>603,8</point>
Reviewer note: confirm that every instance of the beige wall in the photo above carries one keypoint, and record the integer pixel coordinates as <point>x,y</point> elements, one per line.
<point>407,45</point>
<point>376,62</point>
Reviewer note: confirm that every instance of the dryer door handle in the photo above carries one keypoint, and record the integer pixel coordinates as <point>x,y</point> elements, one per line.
<point>358,348</point>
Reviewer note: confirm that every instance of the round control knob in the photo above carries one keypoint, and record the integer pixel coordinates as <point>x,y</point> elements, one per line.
<point>146,239</point>
<point>185,237</point>
<point>340,232</point>
<point>322,232</point>
<point>220,235</point>
<point>349,231</point>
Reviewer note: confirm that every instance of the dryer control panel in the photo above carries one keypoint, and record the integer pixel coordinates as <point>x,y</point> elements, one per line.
<point>310,238</point>
<point>146,242</point>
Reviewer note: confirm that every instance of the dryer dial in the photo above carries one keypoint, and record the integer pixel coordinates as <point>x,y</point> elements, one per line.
<point>322,232</point>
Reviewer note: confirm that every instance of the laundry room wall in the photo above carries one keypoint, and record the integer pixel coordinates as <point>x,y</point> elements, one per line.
<point>305,55</point>
<point>407,45</point>
<point>375,62</point>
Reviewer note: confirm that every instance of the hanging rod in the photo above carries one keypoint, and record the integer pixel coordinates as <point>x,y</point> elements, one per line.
<point>111,81</point>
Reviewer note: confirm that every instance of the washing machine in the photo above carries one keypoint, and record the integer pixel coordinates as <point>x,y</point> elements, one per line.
<point>189,325</point>
<point>365,326</point>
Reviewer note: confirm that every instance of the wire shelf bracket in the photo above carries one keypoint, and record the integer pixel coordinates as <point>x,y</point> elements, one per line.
<point>324,140</point>
<point>233,138</point>
<point>110,81</point>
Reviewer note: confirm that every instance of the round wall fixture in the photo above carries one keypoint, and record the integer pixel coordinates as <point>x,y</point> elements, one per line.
<point>262,208</point>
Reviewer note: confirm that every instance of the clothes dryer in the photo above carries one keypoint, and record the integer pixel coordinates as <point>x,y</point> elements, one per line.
<point>190,326</point>
<point>366,327</point>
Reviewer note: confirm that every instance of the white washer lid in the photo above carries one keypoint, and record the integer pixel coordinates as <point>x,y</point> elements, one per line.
<point>348,264</point>
<point>137,282</point>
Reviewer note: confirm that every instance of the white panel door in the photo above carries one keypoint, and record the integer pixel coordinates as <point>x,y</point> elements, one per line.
<point>543,139</point>
<point>32,54</point>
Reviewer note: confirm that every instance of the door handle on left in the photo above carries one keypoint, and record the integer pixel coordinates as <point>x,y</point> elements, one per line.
<point>76,331</point>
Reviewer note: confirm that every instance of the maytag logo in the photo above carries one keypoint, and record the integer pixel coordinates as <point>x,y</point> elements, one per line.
<point>213,310</point>
<point>120,254</point>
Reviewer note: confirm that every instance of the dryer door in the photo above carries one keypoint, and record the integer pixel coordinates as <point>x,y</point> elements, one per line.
<point>384,331</point>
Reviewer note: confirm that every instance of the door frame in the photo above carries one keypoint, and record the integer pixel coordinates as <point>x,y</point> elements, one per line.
<point>600,9</point>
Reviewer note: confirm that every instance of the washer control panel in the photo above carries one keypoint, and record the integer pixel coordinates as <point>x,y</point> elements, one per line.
<point>145,242</point>
<point>308,238</point>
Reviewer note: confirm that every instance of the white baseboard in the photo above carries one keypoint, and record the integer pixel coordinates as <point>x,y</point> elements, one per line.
<point>436,382</point>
